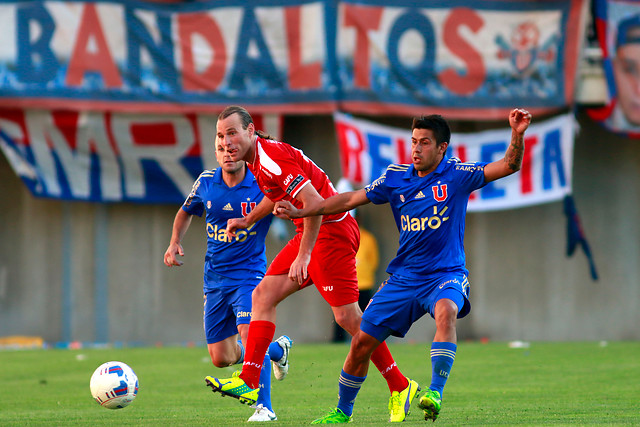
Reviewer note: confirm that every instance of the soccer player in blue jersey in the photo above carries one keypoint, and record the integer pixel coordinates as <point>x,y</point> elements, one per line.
<point>233,267</point>
<point>428,199</point>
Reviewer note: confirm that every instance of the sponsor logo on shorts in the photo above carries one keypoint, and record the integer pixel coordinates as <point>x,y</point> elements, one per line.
<point>327,288</point>
<point>242,314</point>
<point>449,281</point>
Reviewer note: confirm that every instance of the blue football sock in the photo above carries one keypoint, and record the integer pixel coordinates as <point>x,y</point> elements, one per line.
<point>275,352</point>
<point>241,354</point>
<point>264,393</point>
<point>348,388</point>
<point>442,356</point>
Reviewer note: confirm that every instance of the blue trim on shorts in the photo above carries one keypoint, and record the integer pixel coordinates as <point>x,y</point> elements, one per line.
<point>452,294</point>
<point>380,333</point>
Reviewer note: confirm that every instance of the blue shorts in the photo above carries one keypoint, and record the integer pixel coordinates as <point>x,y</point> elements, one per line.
<point>224,309</point>
<point>401,301</point>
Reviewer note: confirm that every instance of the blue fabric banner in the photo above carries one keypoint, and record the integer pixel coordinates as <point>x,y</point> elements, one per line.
<point>111,157</point>
<point>468,59</point>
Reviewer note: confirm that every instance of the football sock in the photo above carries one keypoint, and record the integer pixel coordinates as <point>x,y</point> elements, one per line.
<point>348,388</point>
<point>241,359</point>
<point>258,340</point>
<point>442,356</point>
<point>275,351</point>
<point>264,393</point>
<point>383,360</point>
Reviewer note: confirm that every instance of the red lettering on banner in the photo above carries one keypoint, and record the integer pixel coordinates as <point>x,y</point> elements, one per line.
<point>352,146</point>
<point>67,124</point>
<point>17,129</point>
<point>526,171</point>
<point>462,155</point>
<point>301,76</point>
<point>476,71</point>
<point>190,24</point>
<point>153,133</point>
<point>84,59</point>
<point>363,19</point>
<point>196,149</point>
<point>404,155</point>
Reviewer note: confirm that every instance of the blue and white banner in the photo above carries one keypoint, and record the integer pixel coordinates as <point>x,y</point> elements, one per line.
<point>111,157</point>
<point>367,148</point>
<point>464,58</point>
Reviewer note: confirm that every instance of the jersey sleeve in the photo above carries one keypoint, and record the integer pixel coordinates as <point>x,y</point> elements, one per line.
<point>284,166</point>
<point>194,205</point>
<point>377,191</point>
<point>469,175</point>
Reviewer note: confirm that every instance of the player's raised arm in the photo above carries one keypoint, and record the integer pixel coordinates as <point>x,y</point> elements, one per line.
<point>338,203</point>
<point>519,120</point>
<point>263,209</point>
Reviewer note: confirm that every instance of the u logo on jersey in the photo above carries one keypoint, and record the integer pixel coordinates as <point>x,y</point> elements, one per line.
<point>244,205</point>
<point>439,192</point>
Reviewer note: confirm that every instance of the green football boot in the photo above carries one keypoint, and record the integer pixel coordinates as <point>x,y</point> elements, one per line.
<point>336,416</point>
<point>430,403</point>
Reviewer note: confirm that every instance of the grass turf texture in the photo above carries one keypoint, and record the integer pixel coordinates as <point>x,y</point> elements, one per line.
<point>491,384</point>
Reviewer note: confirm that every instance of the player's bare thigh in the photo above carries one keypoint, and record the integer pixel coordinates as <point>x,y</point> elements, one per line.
<point>268,294</point>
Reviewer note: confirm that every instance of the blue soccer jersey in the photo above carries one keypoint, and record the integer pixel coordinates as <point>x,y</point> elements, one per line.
<point>244,257</point>
<point>429,213</point>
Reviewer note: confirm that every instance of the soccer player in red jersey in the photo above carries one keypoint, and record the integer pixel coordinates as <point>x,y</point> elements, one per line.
<point>321,253</point>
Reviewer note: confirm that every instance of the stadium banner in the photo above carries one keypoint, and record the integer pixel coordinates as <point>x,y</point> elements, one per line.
<point>111,157</point>
<point>465,58</point>
<point>618,31</point>
<point>367,148</point>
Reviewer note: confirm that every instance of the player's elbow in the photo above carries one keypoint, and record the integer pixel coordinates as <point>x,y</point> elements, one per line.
<point>513,168</point>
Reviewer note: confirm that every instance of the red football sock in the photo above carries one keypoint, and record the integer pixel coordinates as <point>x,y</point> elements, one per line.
<point>383,360</point>
<point>260,336</point>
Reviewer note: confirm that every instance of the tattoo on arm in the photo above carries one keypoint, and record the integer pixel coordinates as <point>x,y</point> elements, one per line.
<point>515,152</point>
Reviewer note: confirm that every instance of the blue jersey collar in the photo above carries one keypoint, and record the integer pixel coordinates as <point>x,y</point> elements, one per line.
<point>246,182</point>
<point>411,172</point>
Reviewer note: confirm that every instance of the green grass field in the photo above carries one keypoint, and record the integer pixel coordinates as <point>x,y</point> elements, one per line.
<point>491,384</point>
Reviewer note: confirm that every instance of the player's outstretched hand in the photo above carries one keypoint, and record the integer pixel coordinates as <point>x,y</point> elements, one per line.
<point>234,224</point>
<point>285,210</point>
<point>519,120</point>
<point>170,256</point>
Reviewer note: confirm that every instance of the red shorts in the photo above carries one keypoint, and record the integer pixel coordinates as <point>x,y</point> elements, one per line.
<point>333,261</point>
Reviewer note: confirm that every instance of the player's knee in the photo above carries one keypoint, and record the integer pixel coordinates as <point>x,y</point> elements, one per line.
<point>259,298</point>
<point>349,321</point>
<point>220,361</point>
<point>446,315</point>
<point>265,297</point>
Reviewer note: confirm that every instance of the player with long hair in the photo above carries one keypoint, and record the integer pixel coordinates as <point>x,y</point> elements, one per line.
<point>321,253</point>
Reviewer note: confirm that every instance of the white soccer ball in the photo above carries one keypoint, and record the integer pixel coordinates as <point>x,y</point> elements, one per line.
<point>114,385</point>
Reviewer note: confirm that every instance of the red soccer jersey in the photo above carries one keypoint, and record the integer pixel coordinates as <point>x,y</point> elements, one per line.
<point>282,170</point>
